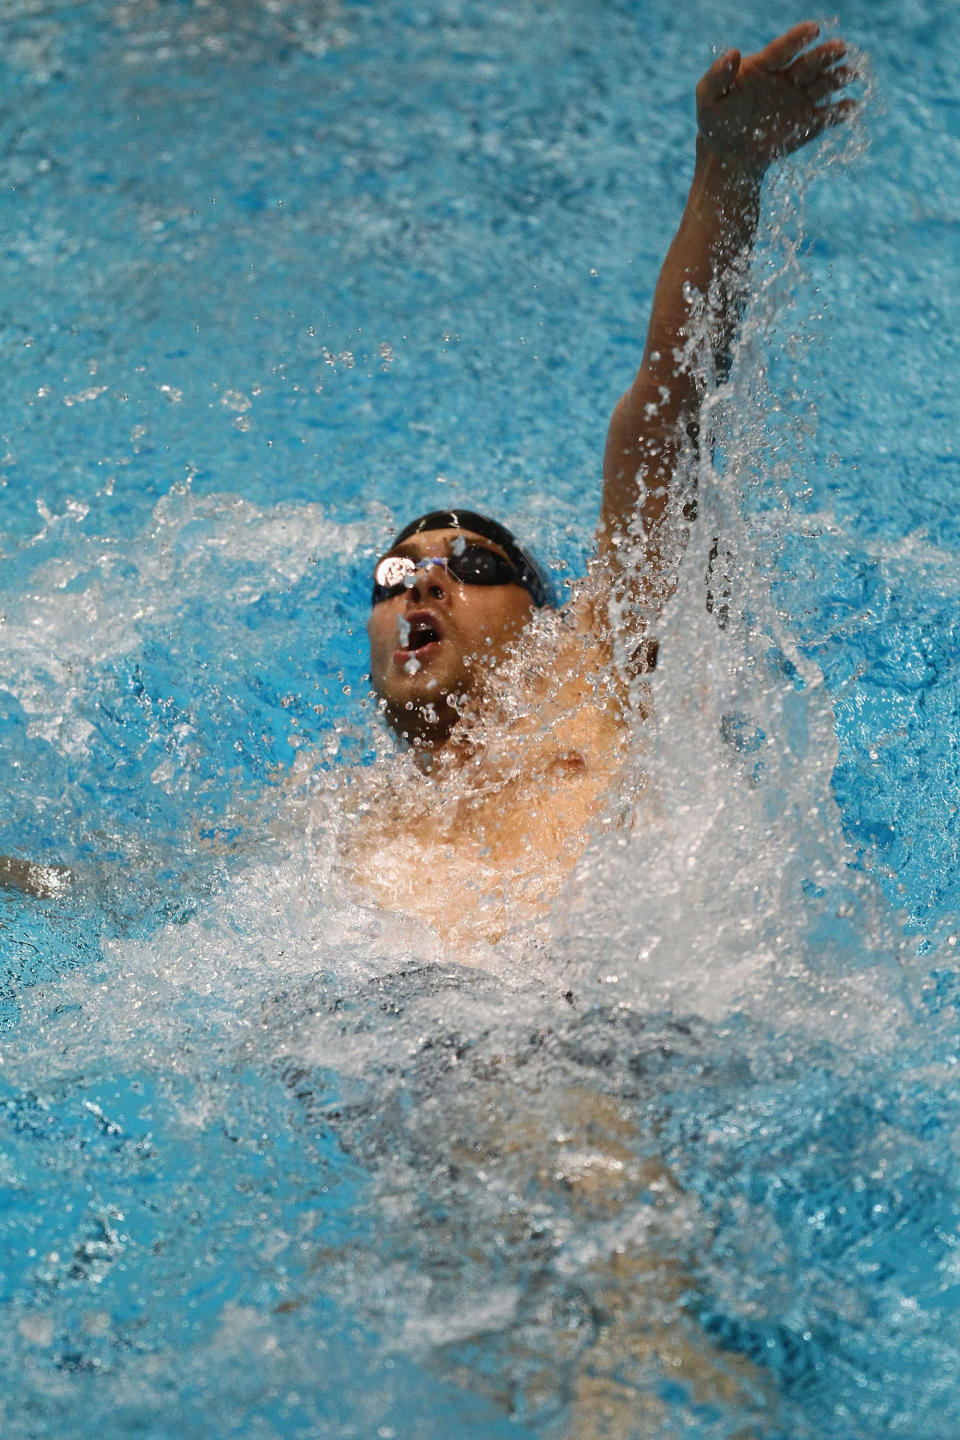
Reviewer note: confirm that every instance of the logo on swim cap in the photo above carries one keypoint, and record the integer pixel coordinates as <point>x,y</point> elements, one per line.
<point>529,573</point>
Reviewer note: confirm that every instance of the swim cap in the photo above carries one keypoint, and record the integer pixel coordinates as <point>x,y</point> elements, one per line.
<point>529,574</point>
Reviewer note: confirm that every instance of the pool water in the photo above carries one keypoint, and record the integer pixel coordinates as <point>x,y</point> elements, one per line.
<point>278,274</point>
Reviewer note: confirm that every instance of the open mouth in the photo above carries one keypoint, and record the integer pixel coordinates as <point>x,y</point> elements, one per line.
<point>423,632</point>
<point>417,633</point>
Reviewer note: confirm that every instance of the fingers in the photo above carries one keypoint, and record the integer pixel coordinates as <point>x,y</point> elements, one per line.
<point>836,114</point>
<point>835,79</point>
<point>779,53</point>
<point>815,61</point>
<point>719,77</point>
<point>825,116</point>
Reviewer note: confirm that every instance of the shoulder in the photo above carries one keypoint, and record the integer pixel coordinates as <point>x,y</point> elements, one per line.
<point>564,706</point>
<point>583,659</point>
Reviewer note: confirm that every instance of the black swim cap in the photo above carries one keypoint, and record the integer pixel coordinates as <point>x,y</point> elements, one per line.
<point>529,573</point>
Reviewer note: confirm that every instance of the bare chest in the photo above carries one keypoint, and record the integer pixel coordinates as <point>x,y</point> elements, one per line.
<point>474,852</point>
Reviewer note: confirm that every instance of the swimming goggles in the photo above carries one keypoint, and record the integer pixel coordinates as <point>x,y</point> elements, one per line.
<point>471,565</point>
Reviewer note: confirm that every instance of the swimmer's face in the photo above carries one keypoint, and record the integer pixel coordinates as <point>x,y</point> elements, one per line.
<point>434,642</point>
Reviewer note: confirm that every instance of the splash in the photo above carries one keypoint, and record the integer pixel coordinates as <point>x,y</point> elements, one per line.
<point>669,1139</point>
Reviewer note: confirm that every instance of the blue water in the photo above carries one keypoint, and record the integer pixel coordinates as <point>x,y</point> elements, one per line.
<point>274,277</point>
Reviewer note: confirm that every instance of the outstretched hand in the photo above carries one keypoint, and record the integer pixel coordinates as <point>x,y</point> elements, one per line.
<point>753,109</point>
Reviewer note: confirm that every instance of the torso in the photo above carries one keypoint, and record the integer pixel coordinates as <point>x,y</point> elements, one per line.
<point>481,844</point>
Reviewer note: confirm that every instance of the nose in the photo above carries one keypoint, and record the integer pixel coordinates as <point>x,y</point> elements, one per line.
<point>429,582</point>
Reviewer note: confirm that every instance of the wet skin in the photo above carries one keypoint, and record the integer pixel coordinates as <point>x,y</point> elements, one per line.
<point>429,674</point>
<point>505,828</point>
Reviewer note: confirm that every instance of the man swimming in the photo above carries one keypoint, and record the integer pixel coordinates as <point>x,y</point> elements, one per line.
<point>515,719</point>
<point>521,723</point>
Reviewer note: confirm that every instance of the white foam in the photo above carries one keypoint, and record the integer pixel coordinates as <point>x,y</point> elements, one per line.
<point>193,546</point>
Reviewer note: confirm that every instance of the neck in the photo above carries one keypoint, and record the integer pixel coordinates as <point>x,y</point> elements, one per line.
<point>445,730</point>
<point>427,729</point>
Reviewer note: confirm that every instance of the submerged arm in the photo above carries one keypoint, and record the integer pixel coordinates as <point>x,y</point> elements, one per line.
<point>43,881</point>
<point>750,112</point>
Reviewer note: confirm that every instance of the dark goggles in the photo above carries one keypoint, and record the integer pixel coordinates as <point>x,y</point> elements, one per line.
<point>470,565</point>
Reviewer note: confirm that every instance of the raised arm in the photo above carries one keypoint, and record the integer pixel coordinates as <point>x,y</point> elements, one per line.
<point>751,111</point>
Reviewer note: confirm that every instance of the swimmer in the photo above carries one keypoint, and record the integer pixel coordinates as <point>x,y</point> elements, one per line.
<point>521,746</point>
<point>515,750</point>
<point>509,752</point>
